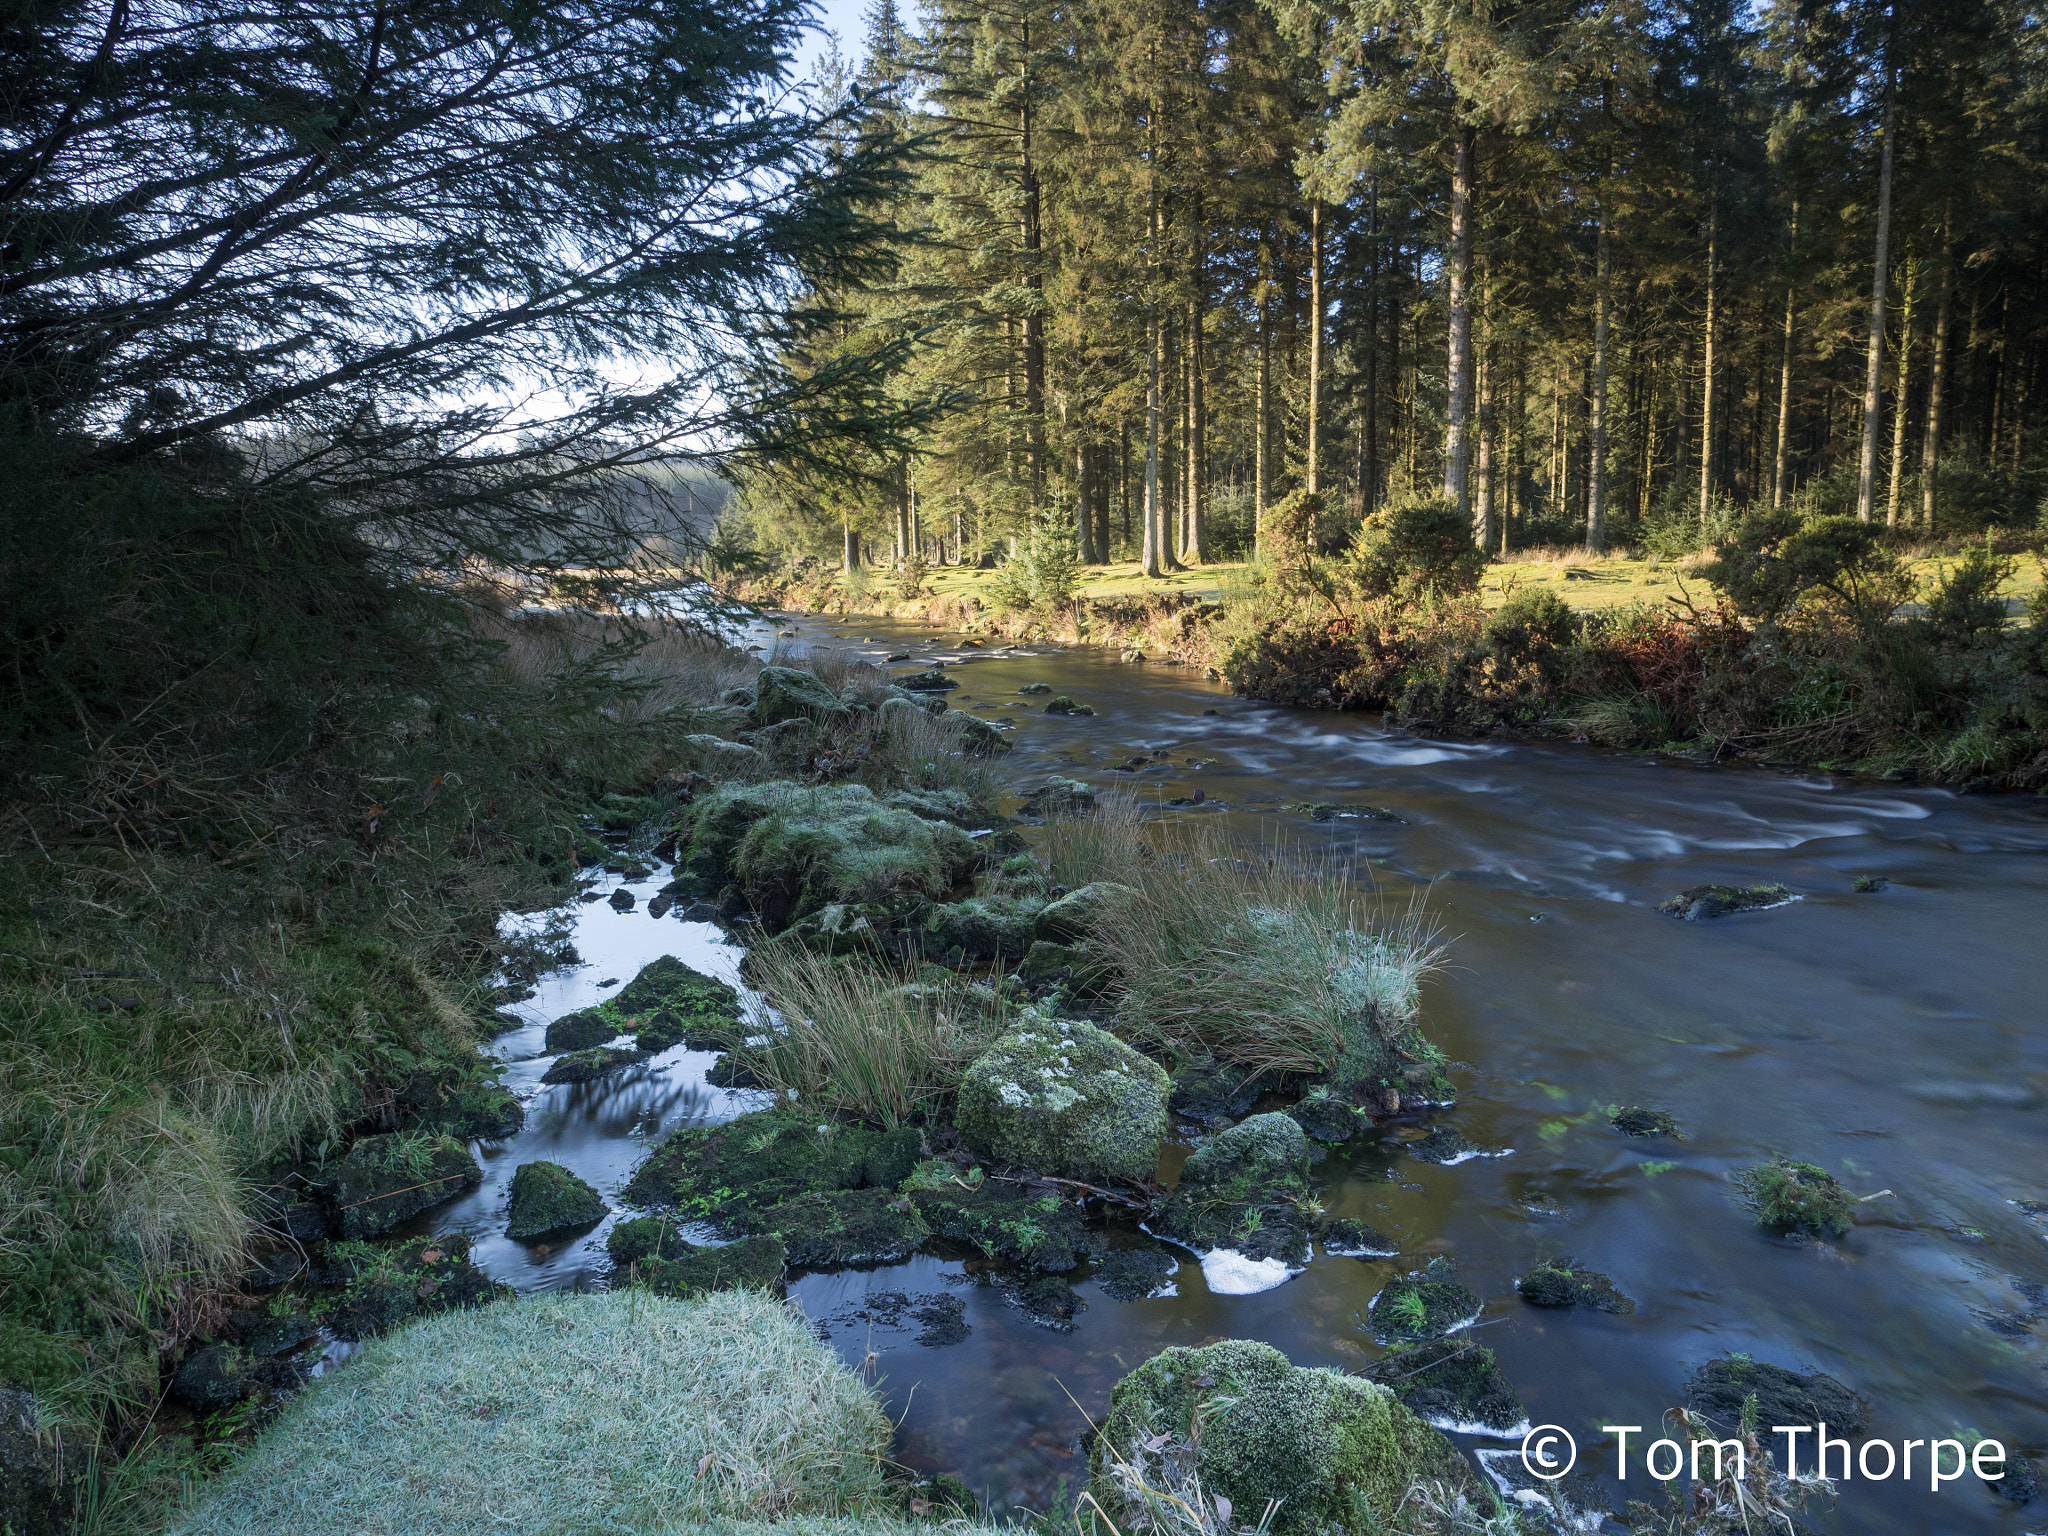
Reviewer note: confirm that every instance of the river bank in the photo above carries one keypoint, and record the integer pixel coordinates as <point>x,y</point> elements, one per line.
<point>1921,665</point>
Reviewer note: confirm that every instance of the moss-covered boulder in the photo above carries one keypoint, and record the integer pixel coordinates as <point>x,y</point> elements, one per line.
<point>1047,964</point>
<point>717,758</point>
<point>384,1285</point>
<point>671,1003</point>
<point>1720,1389</point>
<point>954,805</point>
<point>1041,1227</point>
<point>546,1197</point>
<point>581,1030</point>
<point>644,1237</point>
<point>385,1180</point>
<point>1076,915</point>
<point>767,1157</point>
<point>1336,1451</point>
<point>1324,1117</point>
<point>795,848</point>
<point>1349,1238</point>
<point>839,1227</point>
<point>755,1263</point>
<point>784,693</point>
<point>1425,1305</point>
<point>588,1066</point>
<point>1059,796</point>
<point>1701,902</point>
<point>845,928</point>
<point>1451,1383</point>
<point>1567,1283</point>
<point>981,927</point>
<point>1635,1120</point>
<point>1797,1197</point>
<point>1066,1099</point>
<point>1247,1191</point>
<point>1215,1092</point>
<point>215,1376</point>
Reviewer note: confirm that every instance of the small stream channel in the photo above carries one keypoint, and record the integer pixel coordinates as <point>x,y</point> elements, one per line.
<point>1897,1037</point>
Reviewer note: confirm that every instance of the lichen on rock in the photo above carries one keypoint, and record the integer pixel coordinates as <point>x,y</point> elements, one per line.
<point>1451,1383</point>
<point>1068,1100</point>
<point>672,1003</point>
<point>1336,1451</point>
<point>1700,902</point>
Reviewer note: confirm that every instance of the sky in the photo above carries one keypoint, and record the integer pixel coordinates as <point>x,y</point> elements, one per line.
<point>841,17</point>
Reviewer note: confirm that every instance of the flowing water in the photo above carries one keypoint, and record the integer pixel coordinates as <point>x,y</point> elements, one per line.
<point>1897,1037</point>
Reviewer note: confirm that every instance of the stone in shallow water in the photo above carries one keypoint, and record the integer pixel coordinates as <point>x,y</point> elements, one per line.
<point>1349,1238</point>
<point>1425,1305</point>
<point>1452,1383</point>
<point>1566,1283</point>
<point>1138,1274</point>
<point>1700,902</point>
<point>546,1197</point>
<point>1244,1191</point>
<point>1447,1147</point>
<point>1719,1389</point>
<point>1634,1120</point>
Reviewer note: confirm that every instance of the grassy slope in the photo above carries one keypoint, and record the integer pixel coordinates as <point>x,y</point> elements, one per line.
<point>1586,582</point>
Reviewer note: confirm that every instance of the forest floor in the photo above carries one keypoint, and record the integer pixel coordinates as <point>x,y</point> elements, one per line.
<point>1587,582</point>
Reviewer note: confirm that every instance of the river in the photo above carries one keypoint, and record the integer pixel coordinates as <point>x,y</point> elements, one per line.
<point>1897,1037</point>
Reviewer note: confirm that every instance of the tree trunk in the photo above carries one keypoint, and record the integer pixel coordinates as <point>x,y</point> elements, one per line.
<point>1369,467</point>
<point>1034,283</point>
<point>1785,381</point>
<point>1262,435</point>
<point>1312,458</point>
<point>1198,426</point>
<point>1873,373</point>
<point>1596,436</point>
<point>1707,373</point>
<point>1482,488</point>
<point>1937,378</point>
<point>1155,343</point>
<point>1903,381</point>
<point>1458,362</point>
<point>902,512</point>
<point>1084,514</point>
<point>849,552</point>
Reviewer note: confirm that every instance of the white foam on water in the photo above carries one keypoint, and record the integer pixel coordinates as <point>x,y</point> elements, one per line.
<point>1466,1157</point>
<point>1230,1273</point>
<point>1452,1426</point>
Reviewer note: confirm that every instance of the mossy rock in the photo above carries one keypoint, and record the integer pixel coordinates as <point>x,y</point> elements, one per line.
<point>753,1262</point>
<point>1137,1274</point>
<point>954,805</point>
<point>1349,1238</point>
<point>1452,1383</point>
<point>215,1376</point>
<point>761,1159</point>
<point>546,1197</point>
<point>1077,915</point>
<point>474,1111</point>
<point>1068,1100</point>
<point>1214,1091</point>
<point>1047,965</point>
<point>1565,1283</point>
<point>1700,902</point>
<point>622,813</point>
<point>644,1237</point>
<point>717,758</point>
<point>845,928</point>
<point>1720,1388</point>
<point>1324,1118</point>
<point>1246,1190</point>
<point>840,1227</point>
<point>982,927</point>
<point>784,693</point>
<point>1420,1306</point>
<point>1337,1451</point>
<point>587,1066</point>
<point>385,1180</point>
<point>39,1468</point>
<point>580,1031</point>
<point>1634,1120</point>
<point>1009,1221</point>
<point>976,736</point>
<point>389,1284</point>
<point>1059,796</point>
<point>931,680</point>
<point>1061,704</point>
<point>794,849</point>
<point>670,1003</point>
<point>1797,1197</point>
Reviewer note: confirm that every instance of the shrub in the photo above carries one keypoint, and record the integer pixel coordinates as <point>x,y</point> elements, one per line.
<point>1772,562</point>
<point>861,1042</point>
<point>567,1412</point>
<point>1274,966</point>
<point>1414,547</point>
<point>1531,616</point>
<point>1965,602</point>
